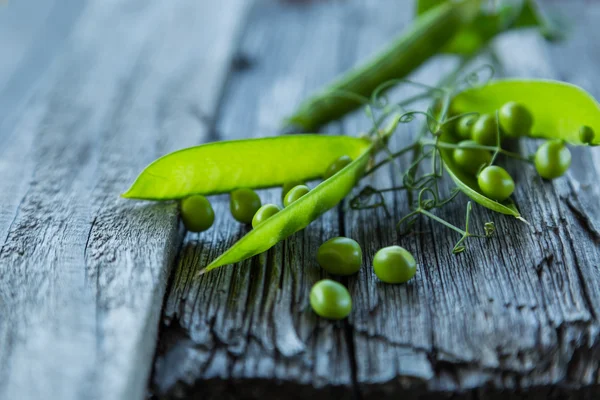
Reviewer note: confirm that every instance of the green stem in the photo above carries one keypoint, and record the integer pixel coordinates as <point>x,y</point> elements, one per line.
<point>441,221</point>
<point>389,159</point>
<point>479,147</point>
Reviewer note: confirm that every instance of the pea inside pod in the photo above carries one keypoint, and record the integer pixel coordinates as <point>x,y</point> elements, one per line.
<point>470,159</point>
<point>496,183</point>
<point>264,213</point>
<point>294,194</point>
<point>515,119</point>
<point>337,166</point>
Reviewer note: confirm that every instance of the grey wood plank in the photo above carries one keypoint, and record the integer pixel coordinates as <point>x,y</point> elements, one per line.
<point>31,35</point>
<point>82,272</point>
<point>250,325</point>
<point>515,316</point>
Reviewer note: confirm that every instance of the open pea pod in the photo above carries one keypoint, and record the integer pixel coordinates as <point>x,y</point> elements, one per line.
<point>221,167</point>
<point>297,215</point>
<point>468,184</point>
<point>559,109</point>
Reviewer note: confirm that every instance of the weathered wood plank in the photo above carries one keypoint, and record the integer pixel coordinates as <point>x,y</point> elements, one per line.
<point>250,325</point>
<point>82,273</point>
<point>516,315</point>
<point>31,35</point>
<point>513,314</point>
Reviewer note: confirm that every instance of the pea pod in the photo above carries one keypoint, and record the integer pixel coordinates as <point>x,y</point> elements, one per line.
<point>423,39</point>
<point>509,16</point>
<point>559,109</point>
<point>297,215</point>
<point>467,183</point>
<point>251,163</point>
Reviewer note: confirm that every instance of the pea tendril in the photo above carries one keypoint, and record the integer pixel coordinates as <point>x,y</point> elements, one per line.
<point>425,186</point>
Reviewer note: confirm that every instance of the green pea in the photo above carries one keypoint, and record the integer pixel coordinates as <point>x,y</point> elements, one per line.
<point>243,204</point>
<point>496,183</point>
<point>330,299</point>
<point>465,125</point>
<point>340,256</point>
<point>197,213</point>
<point>394,264</point>
<point>294,194</point>
<point>264,213</point>
<point>552,159</point>
<point>515,119</point>
<point>336,166</point>
<point>289,186</point>
<point>471,160</point>
<point>586,134</point>
<point>485,130</point>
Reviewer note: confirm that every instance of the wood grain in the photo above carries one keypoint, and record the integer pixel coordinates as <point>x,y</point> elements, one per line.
<point>515,316</point>
<point>82,272</point>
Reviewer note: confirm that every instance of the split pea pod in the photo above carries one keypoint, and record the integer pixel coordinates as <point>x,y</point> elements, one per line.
<point>423,39</point>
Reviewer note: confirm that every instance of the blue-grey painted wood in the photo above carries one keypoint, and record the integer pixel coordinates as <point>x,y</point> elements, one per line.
<point>83,272</point>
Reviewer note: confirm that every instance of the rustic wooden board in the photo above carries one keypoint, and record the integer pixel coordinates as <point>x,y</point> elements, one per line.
<point>516,315</point>
<point>82,272</point>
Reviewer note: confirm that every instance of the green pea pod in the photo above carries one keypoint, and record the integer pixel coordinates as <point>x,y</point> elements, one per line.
<point>509,15</point>
<point>423,39</point>
<point>297,215</point>
<point>559,109</point>
<point>221,167</point>
<point>468,184</point>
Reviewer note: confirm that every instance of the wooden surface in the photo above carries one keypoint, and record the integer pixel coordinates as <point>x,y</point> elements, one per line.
<point>96,90</point>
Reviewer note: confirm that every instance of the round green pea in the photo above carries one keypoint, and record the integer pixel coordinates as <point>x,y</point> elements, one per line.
<point>330,299</point>
<point>485,130</point>
<point>471,160</point>
<point>289,186</point>
<point>586,134</point>
<point>243,204</point>
<point>552,159</point>
<point>394,264</point>
<point>340,256</point>
<point>496,183</point>
<point>264,213</point>
<point>294,194</point>
<point>197,213</point>
<point>465,125</point>
<point>336,166</point>
<point>515,119</point>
